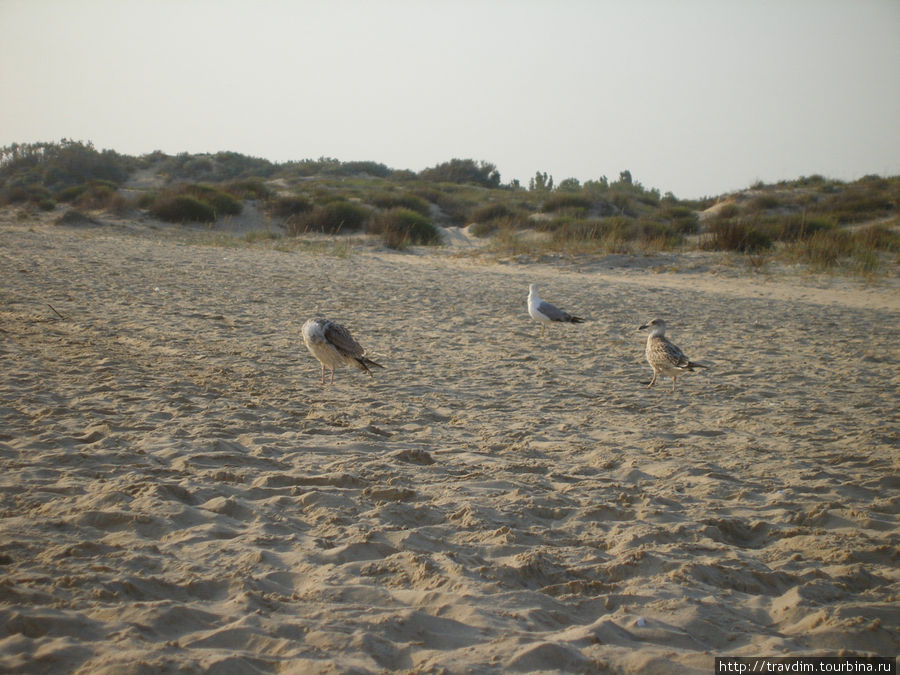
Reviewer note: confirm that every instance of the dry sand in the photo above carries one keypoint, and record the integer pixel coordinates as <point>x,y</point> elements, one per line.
<point>180,493</point>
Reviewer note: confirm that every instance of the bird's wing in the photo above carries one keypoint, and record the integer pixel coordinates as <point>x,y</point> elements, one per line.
<point>340,338</point>
<point>552,312</point>
<point>672,353</point>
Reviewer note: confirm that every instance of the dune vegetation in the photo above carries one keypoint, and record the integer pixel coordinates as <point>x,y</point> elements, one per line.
<point>826,224</point>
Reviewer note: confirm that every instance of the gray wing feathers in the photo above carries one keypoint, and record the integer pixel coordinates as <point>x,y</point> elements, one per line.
<point>556,314</point>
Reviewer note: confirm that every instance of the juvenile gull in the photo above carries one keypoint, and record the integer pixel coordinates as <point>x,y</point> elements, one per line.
<point>665,358</point>
<point>333,346</point>
<point>545,312</point>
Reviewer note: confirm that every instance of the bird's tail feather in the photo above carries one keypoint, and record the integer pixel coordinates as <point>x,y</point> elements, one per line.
<point>576,319</point>
<point>363,364</point>
<point>693,364</point>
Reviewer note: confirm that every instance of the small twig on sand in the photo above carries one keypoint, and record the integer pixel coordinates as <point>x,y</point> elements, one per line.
<point>64,318</point>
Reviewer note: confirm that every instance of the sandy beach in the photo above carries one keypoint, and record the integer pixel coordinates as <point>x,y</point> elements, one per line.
<point>180,493</point>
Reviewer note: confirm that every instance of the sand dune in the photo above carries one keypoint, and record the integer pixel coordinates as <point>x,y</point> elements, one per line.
<point>179,491</point>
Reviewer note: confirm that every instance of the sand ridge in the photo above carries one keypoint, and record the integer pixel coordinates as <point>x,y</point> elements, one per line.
<point>180,491</point>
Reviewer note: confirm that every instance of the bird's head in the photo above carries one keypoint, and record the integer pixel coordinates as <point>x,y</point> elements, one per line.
<point>656,326</point>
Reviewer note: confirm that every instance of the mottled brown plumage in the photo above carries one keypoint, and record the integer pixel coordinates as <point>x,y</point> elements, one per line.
<point>333,346</point>
<point>663,356</point>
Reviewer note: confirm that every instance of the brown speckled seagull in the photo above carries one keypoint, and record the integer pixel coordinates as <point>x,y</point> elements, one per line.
<point>664,357</point>
<point>333,346</point>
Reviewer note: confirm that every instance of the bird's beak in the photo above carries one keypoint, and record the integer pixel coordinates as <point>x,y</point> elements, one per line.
<point>646,325</point>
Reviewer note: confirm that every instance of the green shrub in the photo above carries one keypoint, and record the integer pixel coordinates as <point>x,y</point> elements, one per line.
<point>455,202</point>
<point>621,228</point>
<point>364,168</point>
<point>15,195</point>
<point>341,215</point>
<point>146,199</point>
<point>182,208</point>
<point>329,166</point>
<point>488,212</point>
<point>402,227</point>
<point>728,210</point>
<point>332,218</point>
<point>488,227</point>
<point>763,202</point>
<point>94,195</point>
<point>100,196</point>
<point>59,165</point>
<point>21,192</point>
<point>250,188</point>
<point>222,203</point>
<point>858,202</point>
<point>683,219</point>
<point>286,206</point>
<point>569,185</point>
<point>325,195</point>
<point>390,200</point>
<point>429,194</point>
<point>190,203</point>
<point>219,167</point>
<point>658,236</point>
<point>572,203</point>
<point>463,171</point>
<point>622,201</point>
<point>71,193</point>
<point>76,218</point>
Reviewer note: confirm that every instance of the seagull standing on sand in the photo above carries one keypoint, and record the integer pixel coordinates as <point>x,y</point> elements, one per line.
<point>545,312</point>
<point>333,346</point>
<point>665,358</point>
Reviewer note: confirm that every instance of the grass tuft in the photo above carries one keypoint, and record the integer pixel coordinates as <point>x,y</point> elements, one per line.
<point>735,235</point>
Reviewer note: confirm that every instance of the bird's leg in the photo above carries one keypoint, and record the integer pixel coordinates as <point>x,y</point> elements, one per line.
<point>673,384</point>
<point>542,329</point>
<point>653,381</point>
<point>332,376</point>
<point>323,374</point>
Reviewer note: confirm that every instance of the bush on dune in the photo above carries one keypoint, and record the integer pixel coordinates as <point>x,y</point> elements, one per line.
<point>286,206</point>
<point>402,227</point>
<point>335,217</point>
<point>390,200</point>
<point>191,203</point>
<point>181,208</point>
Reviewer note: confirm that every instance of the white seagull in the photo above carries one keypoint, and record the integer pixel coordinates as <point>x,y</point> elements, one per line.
<point>664,357</point>
<point>333,346</point>
<point>545,312</point>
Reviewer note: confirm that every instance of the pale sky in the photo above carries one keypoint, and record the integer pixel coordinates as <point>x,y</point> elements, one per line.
<point>696,97</point>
